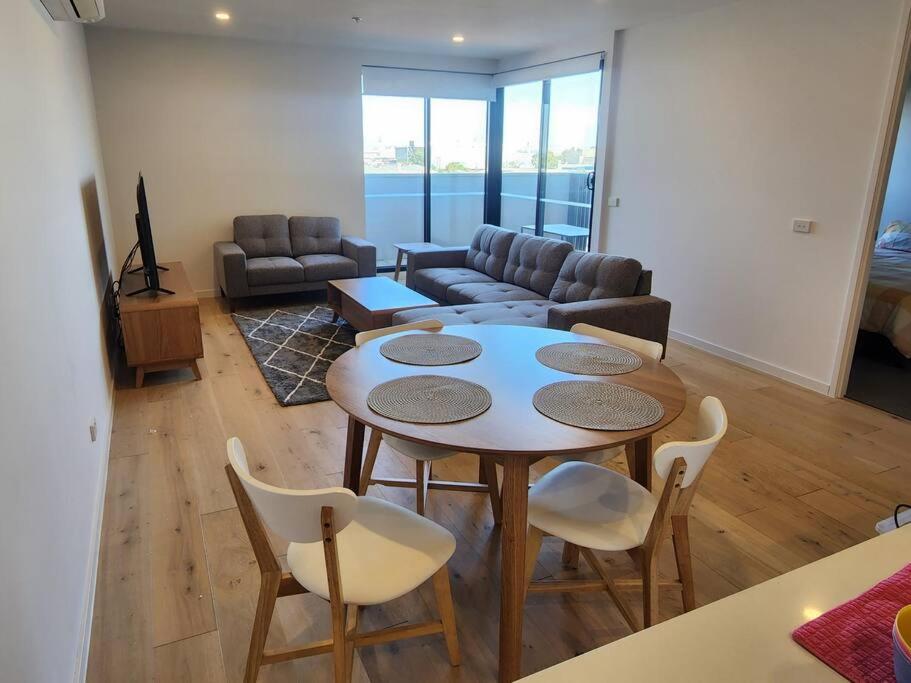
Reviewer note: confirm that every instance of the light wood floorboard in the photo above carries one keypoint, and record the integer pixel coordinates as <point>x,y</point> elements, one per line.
<point>798,477</point>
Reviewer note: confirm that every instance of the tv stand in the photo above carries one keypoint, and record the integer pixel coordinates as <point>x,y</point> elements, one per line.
<point>139,270</point>
<point>162,290</point>
<point>161,332</point>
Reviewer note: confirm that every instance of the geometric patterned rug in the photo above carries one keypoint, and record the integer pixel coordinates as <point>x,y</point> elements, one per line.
<point>294,347</point>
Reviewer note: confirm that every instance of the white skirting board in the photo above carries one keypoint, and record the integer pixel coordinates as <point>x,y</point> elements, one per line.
<point>751,363</point>
<point>85,635</point>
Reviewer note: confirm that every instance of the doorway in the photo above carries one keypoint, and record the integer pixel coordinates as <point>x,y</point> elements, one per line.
<point>548,159</point>
<point>881,366</point>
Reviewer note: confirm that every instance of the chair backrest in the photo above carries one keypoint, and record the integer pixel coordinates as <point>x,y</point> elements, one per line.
<point>315,235</point>
<point>586,276</point>
<point>292,514</point>
<point>364,337</point>
<point>711,425</point>
<point>489,250</point>
<point>261,236</point>
<point>649,349</point>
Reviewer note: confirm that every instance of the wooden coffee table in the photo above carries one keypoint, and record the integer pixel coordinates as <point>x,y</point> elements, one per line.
<point>369,303</point>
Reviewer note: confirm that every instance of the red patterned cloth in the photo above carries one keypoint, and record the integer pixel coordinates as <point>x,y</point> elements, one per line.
<point>855,639</point>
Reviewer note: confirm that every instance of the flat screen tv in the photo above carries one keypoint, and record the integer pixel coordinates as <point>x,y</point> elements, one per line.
<point>146,246</point>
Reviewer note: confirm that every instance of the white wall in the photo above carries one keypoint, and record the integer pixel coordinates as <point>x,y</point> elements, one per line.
<point>897,204</point>
<point>223,127</point>
<point>55,380</point>
<point>726,125</point>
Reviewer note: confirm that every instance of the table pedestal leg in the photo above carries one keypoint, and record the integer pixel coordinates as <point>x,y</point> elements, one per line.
<point>354,453</point>
<point>639,460</point>
<point>512,580</point>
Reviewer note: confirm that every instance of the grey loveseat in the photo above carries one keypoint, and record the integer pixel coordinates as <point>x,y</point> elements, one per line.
<point>275,255</point>
<point>515,279</point>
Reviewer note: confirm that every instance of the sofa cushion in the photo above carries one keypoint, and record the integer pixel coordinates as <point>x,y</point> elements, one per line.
<point>488,292</point>
<point>262,236</point>
<point>435,281</point>
<point>586,276</point>
<point>489,250</point>
<point>315,235</point>
<point>529,313</point>
<point>274,270</point>
<point>535,262</point>
<point>321,267</point>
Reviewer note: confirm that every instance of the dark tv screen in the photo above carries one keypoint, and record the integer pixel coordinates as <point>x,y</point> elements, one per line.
<point>144,231</point>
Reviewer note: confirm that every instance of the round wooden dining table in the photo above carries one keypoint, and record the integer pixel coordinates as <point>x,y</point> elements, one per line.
<point>511,431</point>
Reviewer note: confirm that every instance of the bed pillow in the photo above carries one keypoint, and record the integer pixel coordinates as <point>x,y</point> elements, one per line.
<point>896,237</point>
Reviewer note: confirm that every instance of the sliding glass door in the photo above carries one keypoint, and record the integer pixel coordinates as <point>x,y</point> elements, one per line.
<point>549,140</point>
<point>394,145</point>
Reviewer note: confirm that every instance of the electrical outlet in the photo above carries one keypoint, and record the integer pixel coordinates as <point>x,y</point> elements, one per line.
<point>93,430</point>
<point>802,225</point>
<point>613,201</point>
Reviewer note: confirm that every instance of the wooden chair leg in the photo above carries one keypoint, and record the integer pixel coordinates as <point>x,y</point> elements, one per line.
<point>570,555</point>
<point>339,646</point>
<point>422,473</point>
<point>611,588</point>
<point>490,478</point>
<point>268,593</point>
<point>350,633</point>
<point>649,590</point>
<point>447,614</point>
<point>373,447</point>
<point>532,549</point>
<point>482,472</point>
<point>681,536</point>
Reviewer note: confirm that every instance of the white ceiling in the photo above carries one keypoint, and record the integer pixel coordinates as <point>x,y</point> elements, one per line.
<point>492,28</point>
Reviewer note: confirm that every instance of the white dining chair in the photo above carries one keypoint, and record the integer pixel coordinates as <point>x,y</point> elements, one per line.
<point>349,550</point>
<point>644,347</point>
<point>423,455</point>
<point>595,508</point>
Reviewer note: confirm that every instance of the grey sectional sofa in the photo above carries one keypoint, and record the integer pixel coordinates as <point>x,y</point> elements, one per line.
<point>275,255</point>
<point>515,279</point>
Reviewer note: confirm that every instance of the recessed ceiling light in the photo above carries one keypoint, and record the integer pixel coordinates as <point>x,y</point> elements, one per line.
<point>458,38</point>
<point>223,16</point>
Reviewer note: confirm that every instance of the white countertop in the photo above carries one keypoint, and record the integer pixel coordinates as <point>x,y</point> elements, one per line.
<point>747,636</point>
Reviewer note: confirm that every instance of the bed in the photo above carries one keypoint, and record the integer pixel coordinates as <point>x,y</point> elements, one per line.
<point>887,305</point>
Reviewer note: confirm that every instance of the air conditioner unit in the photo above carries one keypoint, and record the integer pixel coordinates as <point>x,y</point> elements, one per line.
<point>83,11</point>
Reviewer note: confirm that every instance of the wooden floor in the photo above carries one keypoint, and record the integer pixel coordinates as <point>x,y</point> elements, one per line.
<point>799,476</point>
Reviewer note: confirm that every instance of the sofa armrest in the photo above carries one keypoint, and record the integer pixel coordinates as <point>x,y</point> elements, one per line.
<point>362,252</point>
<point>231,269</point>
<point>646,317</point>
<point>448,257</point>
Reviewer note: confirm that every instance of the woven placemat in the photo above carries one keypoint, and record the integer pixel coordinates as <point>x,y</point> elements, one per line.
<point>598,405</point>
<point>581,358</point>
<point>428,399</point>
<point>430,349</point>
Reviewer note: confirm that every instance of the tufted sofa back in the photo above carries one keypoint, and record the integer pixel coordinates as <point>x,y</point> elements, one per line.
<point>587,276</point>
<point>262,236</point>
<point>315,235</point>
<point>535,262</point>
<point>489,250</point>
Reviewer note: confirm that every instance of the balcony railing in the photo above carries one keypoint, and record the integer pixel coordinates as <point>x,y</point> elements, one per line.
<point>395,206</point>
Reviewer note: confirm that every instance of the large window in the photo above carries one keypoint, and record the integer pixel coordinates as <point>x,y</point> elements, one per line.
<point>439,158</point>
<point>393,172</point>
<point>521,150</point>
<point>458,160</point>
<point>412,144</point>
